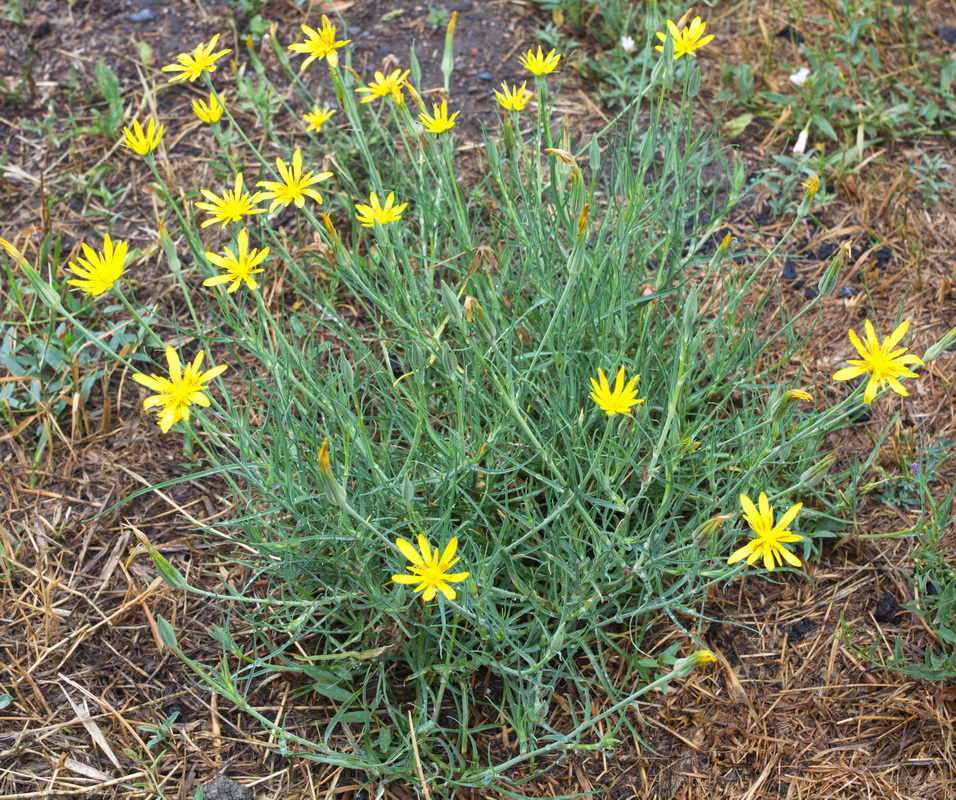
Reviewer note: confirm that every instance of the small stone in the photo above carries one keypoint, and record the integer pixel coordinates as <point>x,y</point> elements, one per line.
<point>223,788</point>
<point>789,271</point>
<point>143,15</point>
<point>810,293</point>
<point>860,414</point>
<point>888,609</point>
<point>947,33</point>
<point>486,76</point>
<point>846,292</point>
<point>41,30</point>
<point>788,32</point>
<point>801,628</point>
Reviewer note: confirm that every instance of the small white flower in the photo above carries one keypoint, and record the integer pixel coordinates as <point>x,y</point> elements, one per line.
<point>800,76</point>
<point>801,145</point>
<point>627,43</point>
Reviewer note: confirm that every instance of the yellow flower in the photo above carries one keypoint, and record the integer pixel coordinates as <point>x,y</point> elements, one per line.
<point>209,113</point>
<point>194,64</point>
<point>231,207</point>
<point>440,122</point>
<point>883,363</point>
<point>99,271</point>
<point>143,143</point>
<point>688,40</point>
<point>812,185</point>
<point>619,401</point>
<point>319,44</point>
<point>513,99</point>
<point>181,390</point>
<point>793,395</point>
<point>375,212</point>
<point>385,84</point>
<point>294,186</point>
<point>769,538</point>
<point>539,64</point>
<point>317,118</point>
<point>429,570</point>
<point>238,266</point>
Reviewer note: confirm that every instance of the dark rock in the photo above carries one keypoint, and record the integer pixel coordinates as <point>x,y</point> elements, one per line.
<point>883,256</point>
<point>825,250</point>
<point>41,30</point>
<point>143,15</point>
<point>846,291</point>
<point>810,293</point>
<point>887,610</point>
<point>800,628</point>
<point>860,414</point>
<point>486,76</point>
<point>791,33</point>
<point>947,33</point>
<point>789,271</point>
<point>224,788</point>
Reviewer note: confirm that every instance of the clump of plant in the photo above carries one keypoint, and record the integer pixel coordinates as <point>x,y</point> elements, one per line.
<point>488,434</point>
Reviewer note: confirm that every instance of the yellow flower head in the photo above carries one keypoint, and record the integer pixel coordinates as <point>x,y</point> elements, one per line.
<point>294,186</point>
<point>99,271</point>
<point>192,65</point>
<point>619,401</point>
<point>795,395</point>
<point>513,99</point>
<point>430,570</point>
<point>140,142</point>
<point>239,266</point>
<point>375,212</point>
<point>209,113</point>
<point>884,364</point>
<point>319,43</point>
<point>540,64</point>
<point>440,122</point>
<point>231,207</point>
<point>317,118</point>
<point>385,84</point>
<point>812,185</point>
<point>769,538</point>
<point>182,389</point>
<point>687,40</point>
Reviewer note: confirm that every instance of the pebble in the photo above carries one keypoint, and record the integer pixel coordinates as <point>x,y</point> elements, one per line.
<point>947,33</point>
<point>888,609</point>
<point>789,270</point>
<point>810,293</point>
<point>846,291</point>
<point>143,15</point>
<point>486,76</point>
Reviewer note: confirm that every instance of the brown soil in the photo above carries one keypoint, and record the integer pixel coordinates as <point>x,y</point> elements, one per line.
<point>794,710</point>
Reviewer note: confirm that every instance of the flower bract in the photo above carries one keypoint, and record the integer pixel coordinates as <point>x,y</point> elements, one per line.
<point>319,43</point>
<point>143,142</point>
<point>182,389</point>
<point>384,85</point>
<point>513,99</point>
<point>231,207</point>
<point>208,113</point>
<point>294,187</point>
<point>239,266</point>
<point>686,40</point>
<point>317,117</point>
<point>769,538</point>
<point>884,364</point>
<point>99,271</point>
<point>621,399</point>
<point>429,569</point>
<point>192,65</point>
<point>439,122</point>
<point>795,395</point>
<point>539,63</point>
<point>375,212</point>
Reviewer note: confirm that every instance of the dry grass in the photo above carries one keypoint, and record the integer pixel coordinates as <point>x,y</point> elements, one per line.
<point>794,711</point>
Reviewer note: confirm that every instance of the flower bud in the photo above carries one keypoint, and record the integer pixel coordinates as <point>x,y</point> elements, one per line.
<point>333,489</point>
<point>813,475</point>
<point>934,351</point>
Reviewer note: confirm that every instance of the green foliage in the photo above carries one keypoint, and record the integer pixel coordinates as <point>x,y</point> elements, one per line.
<point>108,123</point>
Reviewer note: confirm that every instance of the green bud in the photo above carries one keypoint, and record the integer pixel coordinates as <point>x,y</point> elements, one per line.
<point>944,343</point>
<point>813,475</point>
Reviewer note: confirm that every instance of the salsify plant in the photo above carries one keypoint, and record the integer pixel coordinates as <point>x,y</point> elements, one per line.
<point>447,514</point>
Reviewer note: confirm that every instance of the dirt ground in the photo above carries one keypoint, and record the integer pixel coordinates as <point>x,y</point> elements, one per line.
<point>795,709</point>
